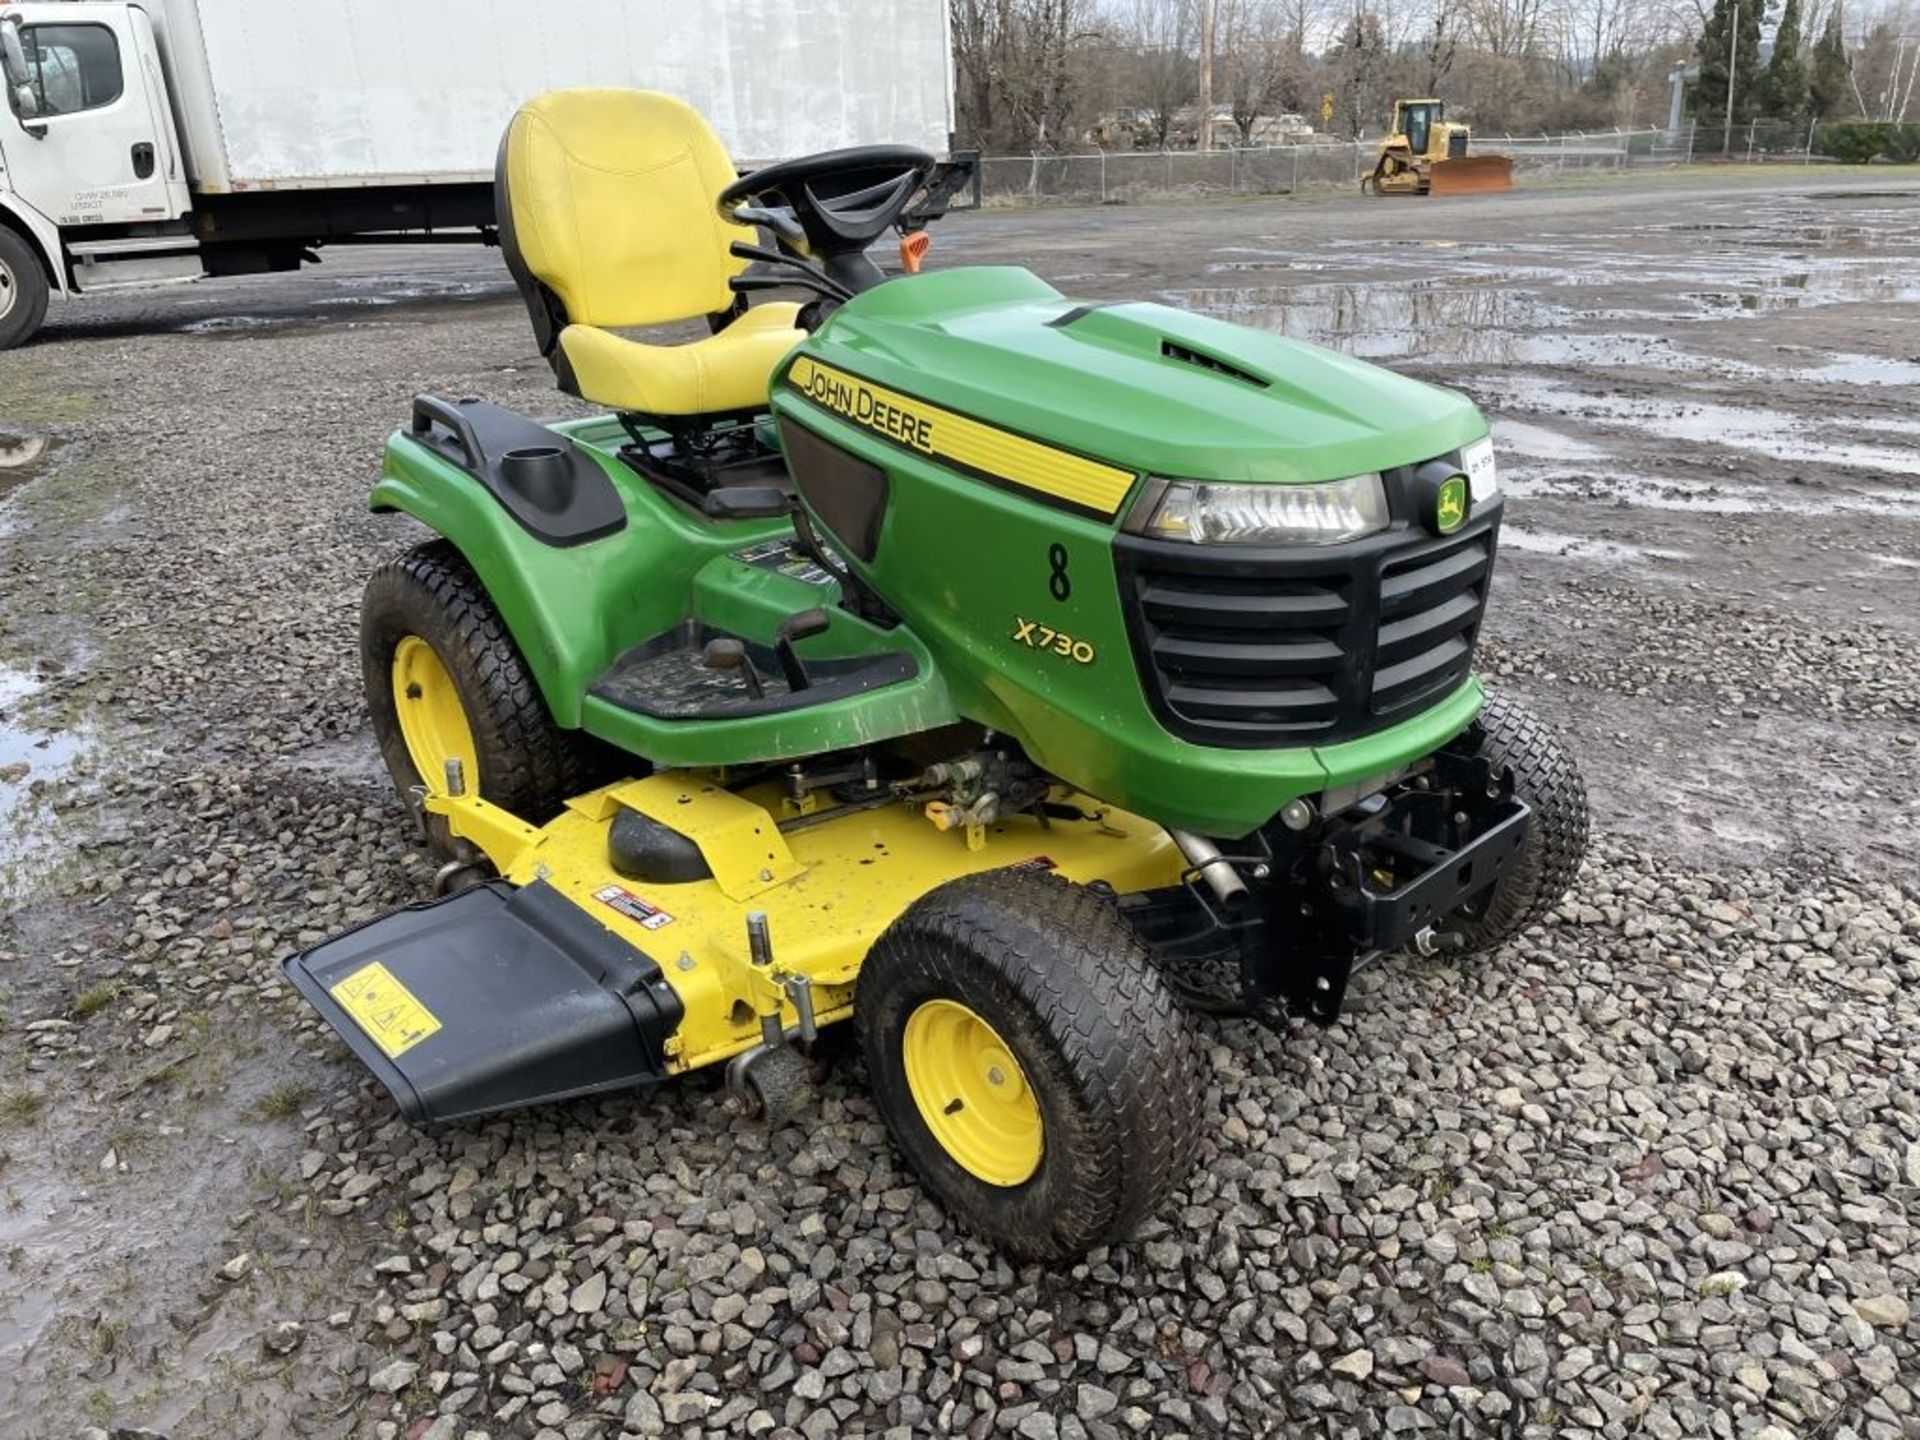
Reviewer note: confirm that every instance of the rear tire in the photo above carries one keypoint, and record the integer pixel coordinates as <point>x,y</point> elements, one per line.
<point>1546,777</point>
<point>1023,1017</point>
<point>23,290</point>
<point>515,756</point>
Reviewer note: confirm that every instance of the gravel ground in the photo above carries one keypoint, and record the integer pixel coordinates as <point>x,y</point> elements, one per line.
<point>1653,1170</point>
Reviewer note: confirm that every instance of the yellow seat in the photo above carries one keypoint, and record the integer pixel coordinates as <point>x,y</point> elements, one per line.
<point>605,200</point>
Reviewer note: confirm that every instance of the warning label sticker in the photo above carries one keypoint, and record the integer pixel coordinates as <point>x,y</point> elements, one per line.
<point>618,897</point>
<point>384,1008</point>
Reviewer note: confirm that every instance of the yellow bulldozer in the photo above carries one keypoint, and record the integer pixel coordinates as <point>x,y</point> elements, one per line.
<point>1426,155</point>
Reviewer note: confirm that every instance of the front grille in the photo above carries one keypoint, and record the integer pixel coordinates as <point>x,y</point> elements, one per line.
<point>1307,645</point>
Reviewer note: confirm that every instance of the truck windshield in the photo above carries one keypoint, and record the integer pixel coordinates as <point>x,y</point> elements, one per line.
<point>72,67</point>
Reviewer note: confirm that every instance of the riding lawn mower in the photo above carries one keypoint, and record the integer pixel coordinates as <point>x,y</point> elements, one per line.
<point>1009,675</point>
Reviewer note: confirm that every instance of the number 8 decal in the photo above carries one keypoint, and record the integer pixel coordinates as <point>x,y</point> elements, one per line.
<point>1058,585</point>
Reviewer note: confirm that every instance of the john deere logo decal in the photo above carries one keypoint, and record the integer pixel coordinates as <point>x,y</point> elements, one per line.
<point>1450,504</point>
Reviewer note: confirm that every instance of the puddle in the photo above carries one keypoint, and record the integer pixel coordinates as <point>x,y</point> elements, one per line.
<point>1440,321</point>
<point>1701,497</point>
<point>1766,432</point>
<point>394,290</point>
<point>223,324</point>
<point>1882,282</point>
<point>1583,547</point>
<point>27,754</point>
<point>1516,437</point>
<point>1861,370</point>
<point>24,457</point>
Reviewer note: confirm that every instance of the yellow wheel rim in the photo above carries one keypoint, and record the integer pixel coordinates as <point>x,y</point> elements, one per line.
<point>972,1092</point>
<point>432,720</point>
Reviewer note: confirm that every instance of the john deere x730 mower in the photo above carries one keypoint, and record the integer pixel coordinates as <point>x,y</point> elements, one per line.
<point>1002,673</point>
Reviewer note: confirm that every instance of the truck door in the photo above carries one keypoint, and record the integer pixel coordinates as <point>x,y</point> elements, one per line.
<point>105,152</point>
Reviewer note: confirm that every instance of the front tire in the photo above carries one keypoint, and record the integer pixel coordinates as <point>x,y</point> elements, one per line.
<point>23,290</point>
<point>1030,1061</point>
<point>444,680</point>
<point>1546,777</point>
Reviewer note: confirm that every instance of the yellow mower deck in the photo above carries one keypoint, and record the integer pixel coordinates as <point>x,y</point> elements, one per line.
<point>471,1004</point>
<point>827,888</point>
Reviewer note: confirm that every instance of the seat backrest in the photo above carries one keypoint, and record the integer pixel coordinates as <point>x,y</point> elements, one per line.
<point>605,202</point>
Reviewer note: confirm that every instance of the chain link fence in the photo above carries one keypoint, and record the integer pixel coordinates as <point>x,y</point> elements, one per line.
<point>1118,176</point>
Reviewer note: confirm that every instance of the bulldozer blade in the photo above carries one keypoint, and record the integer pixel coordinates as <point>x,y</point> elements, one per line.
<point>1470,174</point>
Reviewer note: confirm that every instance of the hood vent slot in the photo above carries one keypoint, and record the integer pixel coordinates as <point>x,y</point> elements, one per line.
<point>1173,350</point>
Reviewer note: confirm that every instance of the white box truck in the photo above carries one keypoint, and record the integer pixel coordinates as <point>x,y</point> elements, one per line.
<point>169,139</point>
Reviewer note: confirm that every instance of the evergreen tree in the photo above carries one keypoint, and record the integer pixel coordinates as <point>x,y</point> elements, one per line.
<point>1782,91</point>
<point>1710,94</point>
<point>1829,83</point>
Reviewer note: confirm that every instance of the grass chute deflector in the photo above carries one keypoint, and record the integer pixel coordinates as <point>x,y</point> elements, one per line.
<point>1004,674</point>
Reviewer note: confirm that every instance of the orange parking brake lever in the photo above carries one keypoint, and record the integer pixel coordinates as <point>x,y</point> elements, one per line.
<point>913,249</point>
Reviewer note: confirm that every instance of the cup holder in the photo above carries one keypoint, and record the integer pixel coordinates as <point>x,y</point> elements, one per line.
<point>541,473</point>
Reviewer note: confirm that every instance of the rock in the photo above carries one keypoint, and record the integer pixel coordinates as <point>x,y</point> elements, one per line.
<point>284,1338</point>
<point>1442,1370</point>
<point>1884,1312</point>
<point>236,1269</point>
<point>392,1378</point>
<point>589,1295</point>
<point>684,1407</point>
<point>1092,1402</point>
<point>1355,1364</point>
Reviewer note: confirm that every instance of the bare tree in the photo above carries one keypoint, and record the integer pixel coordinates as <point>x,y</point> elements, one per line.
<point>1505,27</point>
<point>1014,69</point>
<point>1357,67</point>
<point>1437,54</point>
<point>1301,20</point>
<point>1164,33</point>
<point>1264,71</point>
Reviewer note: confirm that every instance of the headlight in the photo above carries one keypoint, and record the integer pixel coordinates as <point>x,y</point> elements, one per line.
<point>1483,479</point>
<point>1271,514</point>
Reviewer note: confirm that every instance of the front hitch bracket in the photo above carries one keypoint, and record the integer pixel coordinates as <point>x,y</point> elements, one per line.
<point>1378,878</point>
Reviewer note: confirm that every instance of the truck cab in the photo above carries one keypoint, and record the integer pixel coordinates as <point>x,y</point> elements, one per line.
<point>91,169</point>
<point>146,140</point>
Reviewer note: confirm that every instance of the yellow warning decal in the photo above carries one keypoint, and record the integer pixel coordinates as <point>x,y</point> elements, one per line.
<point>943,435</point>
<point>385,1009</point>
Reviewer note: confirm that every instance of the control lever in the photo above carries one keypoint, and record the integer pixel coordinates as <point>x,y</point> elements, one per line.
<point>741,250</point>
<point>799,626</point>
<point>725,654</point>
<point>776,218</point>
<point>800,280</point>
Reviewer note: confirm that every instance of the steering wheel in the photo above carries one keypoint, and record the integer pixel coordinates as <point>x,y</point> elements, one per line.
<point>831,205</point>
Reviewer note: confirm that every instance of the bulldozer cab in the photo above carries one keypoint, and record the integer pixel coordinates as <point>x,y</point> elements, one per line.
<point>1416,120</point>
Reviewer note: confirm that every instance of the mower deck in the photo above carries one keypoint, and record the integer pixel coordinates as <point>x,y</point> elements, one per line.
<point>567,978</point>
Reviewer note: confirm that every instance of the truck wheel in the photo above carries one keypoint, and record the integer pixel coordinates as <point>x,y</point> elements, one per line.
<point>23,290</point>
<point>444,680</point>
<point>1030,1062</point>
<point>1545,776</point>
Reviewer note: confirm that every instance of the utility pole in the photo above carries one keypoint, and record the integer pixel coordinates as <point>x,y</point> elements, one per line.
<point>1206,74</point>
<point>1733,59</point>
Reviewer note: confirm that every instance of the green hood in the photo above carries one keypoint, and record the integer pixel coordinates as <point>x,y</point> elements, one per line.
<point>1144,386</point>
